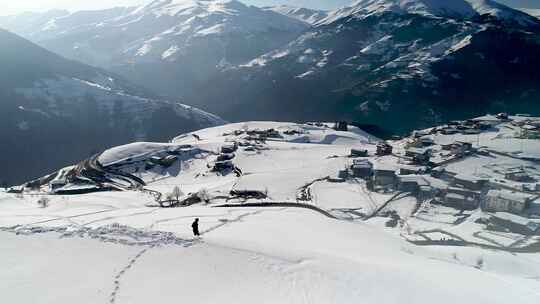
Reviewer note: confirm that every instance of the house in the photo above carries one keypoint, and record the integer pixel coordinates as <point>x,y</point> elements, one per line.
<point>461,147</point>
<point>225,157</point>
<point>460,201</point>
<point>437,172</point>
<point>419,155</point>
<point>518,176</point>
<point>384,177</point>
<point>341,126</point>
<point>420,142</point>
<point>530,127</point>
<point>482,125</point>
<point>162,161</point>
<point>449,131</point>
<point>447,147</point>
<point>228,149</point>
<point>469,182</point>
<point>488,120</point>
<point>427,141</point>
<point>471,131</point>
<point>465,192</point>
<point>506,201</point>
<point>426,192</point>
<point>420,133</point>
<point>223,166</point>
<point>340,177</point>
<point>411,183</point>
<point>362,168</point>
<point>384,149</point>
<point>408,170</point>
<point>343,174</point>
<point>16,189</point>
<point>57,184</point>
<point>530,187</point>
<point>168,160</point>
<point>359,153</point>
<point>502,116</point>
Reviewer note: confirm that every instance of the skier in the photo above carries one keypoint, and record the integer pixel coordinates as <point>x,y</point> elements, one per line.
<point>195,227</point>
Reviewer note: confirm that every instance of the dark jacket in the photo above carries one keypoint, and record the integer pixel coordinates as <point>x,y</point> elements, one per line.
<point>195,227</point>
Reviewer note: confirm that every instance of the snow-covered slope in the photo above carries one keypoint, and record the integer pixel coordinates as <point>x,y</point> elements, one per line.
<point>137,252</point>
<point>26,24</point>
<point>441,8</point>
<point>531,11</point>
<point>378,58</point>
<point>310,16</point>
<point>170,46</point>
<point>50,103</point>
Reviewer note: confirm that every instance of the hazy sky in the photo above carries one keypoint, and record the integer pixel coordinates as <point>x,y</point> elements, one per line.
<point>17,6</point>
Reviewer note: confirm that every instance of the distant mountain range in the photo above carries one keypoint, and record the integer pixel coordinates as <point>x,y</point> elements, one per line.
<point>54,111</point>
<point>309,16</point>
<point>399,64</point>
<point>169,46</point>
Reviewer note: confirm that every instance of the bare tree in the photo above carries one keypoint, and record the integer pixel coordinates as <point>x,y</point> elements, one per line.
<point>204,195</point>
<point>176,194</point>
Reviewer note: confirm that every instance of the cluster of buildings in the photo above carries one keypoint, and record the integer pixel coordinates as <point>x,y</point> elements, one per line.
<point>530,128</point>
<point>459,191</point>
<point>224,161</point>
<point>421,170</point>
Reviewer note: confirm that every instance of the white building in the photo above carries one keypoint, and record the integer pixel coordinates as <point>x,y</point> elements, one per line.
<point>506,201</point>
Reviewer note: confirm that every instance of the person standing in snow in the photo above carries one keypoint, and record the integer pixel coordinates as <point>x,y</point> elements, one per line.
<point>195,227</point>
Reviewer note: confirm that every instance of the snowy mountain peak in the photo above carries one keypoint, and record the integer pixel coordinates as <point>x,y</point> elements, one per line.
<point>179,7</point>
<point>436,8</point>
<point>306,15</point>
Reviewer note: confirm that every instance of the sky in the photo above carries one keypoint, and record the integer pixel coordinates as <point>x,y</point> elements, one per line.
<point>18,6</point>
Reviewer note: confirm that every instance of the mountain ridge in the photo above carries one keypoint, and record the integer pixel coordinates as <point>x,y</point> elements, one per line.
<point>49,103</point>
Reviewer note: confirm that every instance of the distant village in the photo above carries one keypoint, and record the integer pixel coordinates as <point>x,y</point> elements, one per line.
<point>450,165</point>
<point>420,164</point>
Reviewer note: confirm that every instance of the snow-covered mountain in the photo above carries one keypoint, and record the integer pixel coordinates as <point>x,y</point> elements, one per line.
<point>170,46</point>
<point>53,110</point>
<point>309,16</point>
<point>435,8</point>
<point>363,62</point>
<point>371,61</point>
<point>26,24</point>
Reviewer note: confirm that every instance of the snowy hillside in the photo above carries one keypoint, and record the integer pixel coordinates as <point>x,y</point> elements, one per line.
<point>441,8</point>
<point>376,59</point>
<point>284,218</point>
<point>173,47</point>
<point>307,15</point>
<point>62,111</point>
<point>532,12</point>
<point>27,23</point>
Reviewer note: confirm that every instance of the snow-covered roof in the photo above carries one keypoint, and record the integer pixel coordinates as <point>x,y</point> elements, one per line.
<point>362,163</point>
<point>509,195</point>
<point>487,118</point>
<point>134,150</point>
<point>455,196</point>
<point>419,179</point>
<point>419,150</point>
<point>470,178</point>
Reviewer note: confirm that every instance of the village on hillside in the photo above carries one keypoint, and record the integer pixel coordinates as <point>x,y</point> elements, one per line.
<point>473,183</point>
